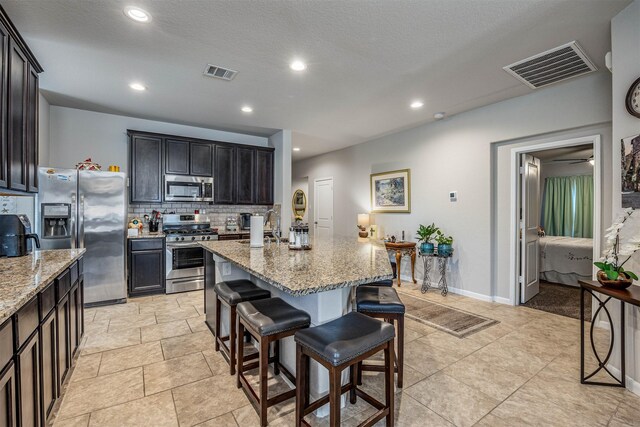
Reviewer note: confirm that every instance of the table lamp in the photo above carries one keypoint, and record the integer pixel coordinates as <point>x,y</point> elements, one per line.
<point>363,223</point>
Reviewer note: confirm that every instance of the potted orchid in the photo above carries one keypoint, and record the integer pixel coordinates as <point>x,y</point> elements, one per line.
<point>618,252</point>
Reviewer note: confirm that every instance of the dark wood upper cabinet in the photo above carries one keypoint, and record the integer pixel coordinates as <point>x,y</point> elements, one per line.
<point>176,157</point>
<point>201,159</point>
<point>32,130</point>
<point>264,177</point>
<point>145,168</point>
<point>17,118</point>
<point>224,181</point>
<point>245,175</point>
<point>4,76</point>
<point>18,110</point>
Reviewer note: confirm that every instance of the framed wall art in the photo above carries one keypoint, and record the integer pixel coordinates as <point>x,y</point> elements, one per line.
<point>391,192</point>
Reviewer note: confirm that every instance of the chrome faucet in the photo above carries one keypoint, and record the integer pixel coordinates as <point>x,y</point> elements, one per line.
<point>276,232</point>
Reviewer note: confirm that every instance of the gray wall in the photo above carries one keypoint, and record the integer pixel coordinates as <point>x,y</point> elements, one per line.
<point>75,135</point>
<point>565,169</point>
<point>455,154</point>
<point>625,47</point>
<point>43,130</point>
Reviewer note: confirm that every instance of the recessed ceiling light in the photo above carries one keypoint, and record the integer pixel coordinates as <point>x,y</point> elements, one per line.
<point>247,109</point>
<point>137,86</point>
<point>137,14</point>
<point>298,65</point>
<point>439,116</point>
<point>417,104</point>
<point>296,148</point>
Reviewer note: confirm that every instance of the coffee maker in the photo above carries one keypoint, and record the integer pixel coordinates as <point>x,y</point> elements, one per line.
<point>245,221</point>
<point>15,235</point>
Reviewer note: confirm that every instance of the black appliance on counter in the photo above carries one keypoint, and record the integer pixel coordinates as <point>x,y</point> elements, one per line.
<point>15,236</point>
<point>245,221</point>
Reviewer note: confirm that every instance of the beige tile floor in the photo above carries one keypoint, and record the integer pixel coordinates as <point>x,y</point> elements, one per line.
<point>151,362</point>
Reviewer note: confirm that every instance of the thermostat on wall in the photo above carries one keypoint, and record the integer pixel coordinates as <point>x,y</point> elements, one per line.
<point>453,196</point>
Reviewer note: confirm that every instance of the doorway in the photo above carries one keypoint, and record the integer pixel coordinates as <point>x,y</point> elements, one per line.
<point>323,207</point>
<point>555,222</point>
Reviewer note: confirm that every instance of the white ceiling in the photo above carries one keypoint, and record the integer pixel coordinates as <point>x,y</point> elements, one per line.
<point>367,60</point>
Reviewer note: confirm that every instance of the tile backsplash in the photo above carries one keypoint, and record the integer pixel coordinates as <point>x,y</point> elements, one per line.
<point>217,213</point>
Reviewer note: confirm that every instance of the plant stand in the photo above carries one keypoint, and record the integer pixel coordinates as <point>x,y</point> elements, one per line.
<point>428,260</point>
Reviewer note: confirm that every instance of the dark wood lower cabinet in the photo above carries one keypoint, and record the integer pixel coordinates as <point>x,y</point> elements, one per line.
<point>8,417</point>
<point>74,314</point>
<point>46,331</point>
<point>145,259</point>
<point>63,340</point>
<point>48,368</point>
<point>28,362</point>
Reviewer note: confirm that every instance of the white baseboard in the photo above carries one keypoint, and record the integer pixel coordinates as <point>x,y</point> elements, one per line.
<point>467,293</point>
<point>502,300</point>
<point>630,384</point>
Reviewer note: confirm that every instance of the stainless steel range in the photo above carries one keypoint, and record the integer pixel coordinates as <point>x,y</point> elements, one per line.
<point>185,258</point>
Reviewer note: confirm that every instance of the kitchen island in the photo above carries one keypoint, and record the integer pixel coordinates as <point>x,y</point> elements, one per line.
<point>319,281</point>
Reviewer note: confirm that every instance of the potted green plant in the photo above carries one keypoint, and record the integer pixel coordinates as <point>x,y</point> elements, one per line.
<point>425,237</point>
<point>612,272</point>
<point>444,244</point>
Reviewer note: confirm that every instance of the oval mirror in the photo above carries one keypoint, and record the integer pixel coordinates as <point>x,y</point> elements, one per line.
<point>299,204</point>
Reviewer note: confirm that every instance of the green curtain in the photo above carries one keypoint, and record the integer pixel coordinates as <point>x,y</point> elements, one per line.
<point>568,206</point>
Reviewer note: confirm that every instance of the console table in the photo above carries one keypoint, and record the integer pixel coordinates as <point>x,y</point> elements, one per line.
<point>605,294</point>
<point>400,249</point>
<point>428,259</point>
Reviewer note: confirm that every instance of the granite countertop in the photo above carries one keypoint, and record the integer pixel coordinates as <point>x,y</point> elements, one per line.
<point>23,277</point>
<point>332,263</point>
<point>148,235</point>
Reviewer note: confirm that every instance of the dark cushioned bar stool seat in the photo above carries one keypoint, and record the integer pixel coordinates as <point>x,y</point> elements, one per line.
<point>230,294</point>
<point>337,345</point>
<point>267,320</point>
<point>383,282</point>
<point>383,303</point>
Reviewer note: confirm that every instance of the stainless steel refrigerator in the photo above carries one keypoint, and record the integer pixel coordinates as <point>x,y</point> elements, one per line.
<point>87,209</point>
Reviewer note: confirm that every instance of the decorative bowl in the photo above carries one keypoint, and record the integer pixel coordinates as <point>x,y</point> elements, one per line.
<point>614,284</point>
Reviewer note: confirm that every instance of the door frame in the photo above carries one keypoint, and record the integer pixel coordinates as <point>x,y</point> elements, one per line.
<point>514,253</point>
<point>315,204</point>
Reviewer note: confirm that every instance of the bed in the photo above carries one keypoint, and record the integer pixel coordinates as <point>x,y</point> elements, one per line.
<point>566,259</point>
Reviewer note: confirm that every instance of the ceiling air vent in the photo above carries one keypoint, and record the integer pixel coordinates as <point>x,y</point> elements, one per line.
<point>219,72</point>
<point>553,66</point>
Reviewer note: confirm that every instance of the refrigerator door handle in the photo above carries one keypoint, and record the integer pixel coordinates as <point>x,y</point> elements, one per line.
<point>81,222</point>
<point>74,211</point>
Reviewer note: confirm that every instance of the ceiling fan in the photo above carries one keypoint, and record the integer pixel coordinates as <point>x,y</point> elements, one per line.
<point>575,161</point>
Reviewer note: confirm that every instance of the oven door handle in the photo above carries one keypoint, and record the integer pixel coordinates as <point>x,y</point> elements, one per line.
<point>183,245</point>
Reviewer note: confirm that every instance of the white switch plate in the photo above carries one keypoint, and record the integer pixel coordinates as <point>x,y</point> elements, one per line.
<point>453,196</point>
<point>226,269</point>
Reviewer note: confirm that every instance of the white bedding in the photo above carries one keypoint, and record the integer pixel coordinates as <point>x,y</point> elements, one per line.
<point>566,259</point>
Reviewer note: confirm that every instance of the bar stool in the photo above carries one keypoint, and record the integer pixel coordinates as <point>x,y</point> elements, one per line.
<point>267,320</point>
<point>382,282</point>
<point>382,302</point>
<point>337,345</point>
<point>231,294</point>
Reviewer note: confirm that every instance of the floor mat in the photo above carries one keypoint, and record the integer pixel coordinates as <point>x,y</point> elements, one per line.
<point>560,299</point>
<point>454,321</point>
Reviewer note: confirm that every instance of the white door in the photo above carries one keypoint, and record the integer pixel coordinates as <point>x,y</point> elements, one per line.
<point>323,207</point>
<point>529,222</point>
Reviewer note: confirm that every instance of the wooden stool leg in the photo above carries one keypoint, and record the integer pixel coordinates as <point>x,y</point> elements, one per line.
<point>400,361</point>
<point>335,386</point>
<point>353,378</point>
<point>276,357</point>
<point>232,340</point>
<point>240,354</point>
<point>388,381</point>
<point>398,266</point>
<point>301,380</point>
<point>217,325</point>
<point>264,370</point>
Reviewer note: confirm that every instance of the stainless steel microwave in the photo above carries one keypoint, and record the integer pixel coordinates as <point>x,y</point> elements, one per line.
<point>181,188</point>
